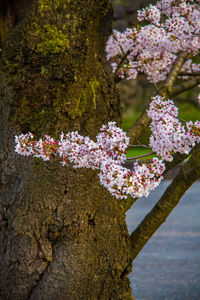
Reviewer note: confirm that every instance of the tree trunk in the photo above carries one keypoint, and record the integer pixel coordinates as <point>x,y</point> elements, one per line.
<point>62,235</point>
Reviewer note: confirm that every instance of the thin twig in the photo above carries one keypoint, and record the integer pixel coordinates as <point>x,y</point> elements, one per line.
<point>140,145</point>
<point>123,58</point>
<point>144,155</point>
<point>183,120</point>
<point>156,87</point>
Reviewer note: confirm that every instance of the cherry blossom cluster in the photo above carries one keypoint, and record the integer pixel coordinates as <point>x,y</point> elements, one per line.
<point>79,150</point>
<point>44,148</point>
<point>168,134</point>
<point>122,182</point>
<point>84,152</point>
<point>107,155</point>
<point>189,68</point>
<point>151,49</point>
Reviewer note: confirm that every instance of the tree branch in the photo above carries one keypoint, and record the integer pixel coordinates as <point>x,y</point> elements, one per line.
<point>177,159</point>
<point>139,145</point>
<point>186,85</point>
<point>139,156</point>
<point>116,78</point>
<point>188,174</point>
<point>176,67</point>
<point>189,74</point>
<point>173,74</point>
<point>139,127</point>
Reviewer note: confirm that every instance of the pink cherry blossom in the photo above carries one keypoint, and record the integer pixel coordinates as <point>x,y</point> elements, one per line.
<point>151,49</point>
<point>168,134</point>
<point>106,155</point>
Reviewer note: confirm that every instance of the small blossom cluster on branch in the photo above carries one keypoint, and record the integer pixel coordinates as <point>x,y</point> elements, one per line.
<point>84,152</point>
<point>168,134</point>
<point>106,155</point>
<point>44,148</point>
<point>122,182</point>
<point>189,67</point>
<point>81,151</point>
<point>174,26</point>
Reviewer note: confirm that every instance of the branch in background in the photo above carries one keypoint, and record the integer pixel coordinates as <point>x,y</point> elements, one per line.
<point>139,156</point>
<point>117,79</point>
<point>173,74</point>
<point>176,67</point>
<point>194,101</point>
<point>189,74</point>
<point>184,86</point>
<point>139,127</point>
<point>139,145</point>
<point>177,159</point>
<point>188,174</point>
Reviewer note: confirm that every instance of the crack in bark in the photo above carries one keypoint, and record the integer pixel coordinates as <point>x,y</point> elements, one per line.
<point>37,283</point>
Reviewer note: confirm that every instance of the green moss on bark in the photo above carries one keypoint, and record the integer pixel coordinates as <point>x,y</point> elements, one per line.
<point>52,74</point>
<point>52,40</point>
<point>91,88</point>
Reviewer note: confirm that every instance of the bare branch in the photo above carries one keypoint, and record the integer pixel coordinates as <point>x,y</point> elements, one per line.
<point>176,67</point>
<point>177,159</point>
<point>188,174</point>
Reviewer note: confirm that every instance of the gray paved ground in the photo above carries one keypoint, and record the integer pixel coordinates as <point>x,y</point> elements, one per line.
<point>168,267</point>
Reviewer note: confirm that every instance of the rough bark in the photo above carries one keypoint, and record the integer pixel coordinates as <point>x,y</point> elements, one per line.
<point>62,235</point>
